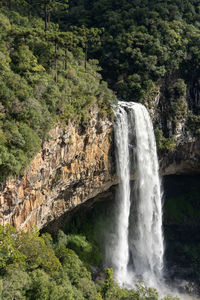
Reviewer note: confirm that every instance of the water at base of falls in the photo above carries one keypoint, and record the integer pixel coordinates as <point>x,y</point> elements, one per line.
<point>136,250</point>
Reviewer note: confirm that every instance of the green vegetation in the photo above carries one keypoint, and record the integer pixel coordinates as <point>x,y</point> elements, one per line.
<point>191,253</point>
<point>91,225</point>
<point>163,143</point>
<point>144,42</point>
<point>45,77</point>
<point>193,124</point>
<point>148,48</point>
<point>49,52</point>
<point>182,210</point>
<point>49,72</point>
<point>36,267</point>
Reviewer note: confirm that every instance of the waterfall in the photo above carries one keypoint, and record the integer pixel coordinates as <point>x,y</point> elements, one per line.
<point>120,251</point>
<point>137,246</point>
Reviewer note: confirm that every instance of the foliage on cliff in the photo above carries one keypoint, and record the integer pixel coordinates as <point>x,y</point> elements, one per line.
<point>35,267</point>
<point>143,41</point>
<point>149,48</point>
<point>44,77</point>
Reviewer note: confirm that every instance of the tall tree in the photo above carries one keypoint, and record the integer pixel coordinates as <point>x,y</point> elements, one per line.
<point>89,38</point>
<point>49,6</point>
<point>11,3</point>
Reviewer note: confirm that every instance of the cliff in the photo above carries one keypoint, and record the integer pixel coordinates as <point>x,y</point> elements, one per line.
<point>184,159</point>
<point>175,114</point>
<point>74,164</point>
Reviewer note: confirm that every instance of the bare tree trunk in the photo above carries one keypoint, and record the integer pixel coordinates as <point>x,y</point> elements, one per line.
<point>86,50</point>
<point>65,59</point>
<point>49,16</point>
<point>56,75</point>
<point>9,4</point>
<point>45,17</point>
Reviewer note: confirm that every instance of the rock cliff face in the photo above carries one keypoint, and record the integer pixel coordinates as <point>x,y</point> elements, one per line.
<point>185,159</point>
<point>74,164</point>
<point>175,111</point>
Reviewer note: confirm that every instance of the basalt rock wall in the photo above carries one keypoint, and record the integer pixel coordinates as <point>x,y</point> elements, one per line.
<point>184,159</point>
<point>74,165</point>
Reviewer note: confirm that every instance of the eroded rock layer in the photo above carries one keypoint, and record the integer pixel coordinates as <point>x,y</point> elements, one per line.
<point>74,164</point>
<point>184,159</point>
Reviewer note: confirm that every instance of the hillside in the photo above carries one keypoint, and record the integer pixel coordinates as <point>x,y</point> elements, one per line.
<point>149,54</point>
<point>45,79</point>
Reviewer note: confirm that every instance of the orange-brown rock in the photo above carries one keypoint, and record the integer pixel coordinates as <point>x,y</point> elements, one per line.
<point>74,164</point>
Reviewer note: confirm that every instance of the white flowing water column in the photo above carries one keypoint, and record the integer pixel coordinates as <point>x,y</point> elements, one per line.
<point>138,217</point>
<point>146,245</point>
<point>120,249</point>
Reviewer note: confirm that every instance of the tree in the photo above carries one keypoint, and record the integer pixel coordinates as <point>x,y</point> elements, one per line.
<point>49,6</point>
<point>10,3</point>
<point>9,254</point>
<point>38,253</point>
<point>88,38</point>
<point>15,283</point>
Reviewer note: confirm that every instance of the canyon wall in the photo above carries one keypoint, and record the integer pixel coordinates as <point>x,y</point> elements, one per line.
<point>176,117</point>
<point>74,165</point>
<point>184,159</point>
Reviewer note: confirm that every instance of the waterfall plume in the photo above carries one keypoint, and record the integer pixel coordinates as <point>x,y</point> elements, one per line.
<point>137,246</point>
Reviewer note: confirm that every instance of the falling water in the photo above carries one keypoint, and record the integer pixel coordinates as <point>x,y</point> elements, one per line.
<point>120,249</point>
<point>146,245</point>
<point>137,249</point>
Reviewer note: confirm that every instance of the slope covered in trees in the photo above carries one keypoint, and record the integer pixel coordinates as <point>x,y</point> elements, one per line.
<point>149,48</point>
<point>48,68</point>
<point>36,267</point>
<point>143,41</point>
<point>45,77</point>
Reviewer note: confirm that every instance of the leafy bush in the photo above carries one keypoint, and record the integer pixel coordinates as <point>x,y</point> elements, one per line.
<point>163,143</point>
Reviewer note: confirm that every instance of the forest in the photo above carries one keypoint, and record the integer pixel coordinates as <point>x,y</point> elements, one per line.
<point>143,42</point>
<point>45,78</point>
<point>35,266</point>
<point>51,50</point>
<point>148,49</point>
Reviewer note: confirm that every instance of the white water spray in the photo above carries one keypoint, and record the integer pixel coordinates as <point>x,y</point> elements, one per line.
<point>120,251</point>
<point>147,244</point>
<point>137,249</point>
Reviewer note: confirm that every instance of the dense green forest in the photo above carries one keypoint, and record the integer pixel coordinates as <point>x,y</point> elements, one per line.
<point>143,43</point>
<point>149,48</point>
<point>36,267</point>
<point>50,72</point>
<point>45,78</point>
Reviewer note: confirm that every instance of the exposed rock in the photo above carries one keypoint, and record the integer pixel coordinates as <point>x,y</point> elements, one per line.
<point>171,113</point>
<point>185,159</point>
<point>74,164</point>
